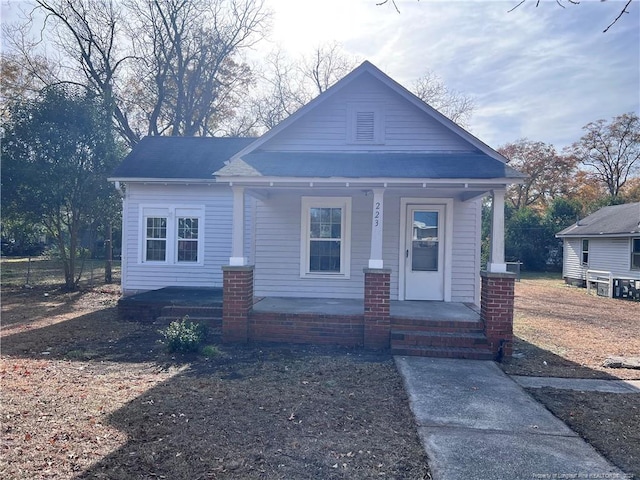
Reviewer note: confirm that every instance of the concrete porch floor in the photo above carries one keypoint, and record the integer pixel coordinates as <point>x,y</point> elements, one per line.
<point>418,310</point>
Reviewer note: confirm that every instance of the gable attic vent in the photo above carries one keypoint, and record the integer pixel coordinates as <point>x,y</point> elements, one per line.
<point>365,126</point>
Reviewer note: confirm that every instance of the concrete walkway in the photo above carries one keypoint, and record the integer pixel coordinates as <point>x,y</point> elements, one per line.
<point>580,384</point>
<point>477,423</point>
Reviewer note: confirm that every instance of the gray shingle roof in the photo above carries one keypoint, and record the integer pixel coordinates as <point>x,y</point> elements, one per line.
<point>369,165</point>
<point>202,157</point>
<point>179,157</point>
<point>613,220</point>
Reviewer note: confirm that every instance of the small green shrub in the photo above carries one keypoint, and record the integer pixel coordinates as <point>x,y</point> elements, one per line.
<point>210,351</point>
<point>184,336</point>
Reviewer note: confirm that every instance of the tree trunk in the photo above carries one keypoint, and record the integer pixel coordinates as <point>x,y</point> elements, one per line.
<point>108,247</point>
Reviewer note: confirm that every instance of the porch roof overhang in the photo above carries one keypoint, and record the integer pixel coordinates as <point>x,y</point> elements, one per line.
<point>377,167</point>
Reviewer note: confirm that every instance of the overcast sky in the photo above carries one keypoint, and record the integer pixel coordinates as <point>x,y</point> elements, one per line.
<point>540,73</point>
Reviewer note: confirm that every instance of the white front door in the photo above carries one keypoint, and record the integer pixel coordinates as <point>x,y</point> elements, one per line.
<point>424,252</point>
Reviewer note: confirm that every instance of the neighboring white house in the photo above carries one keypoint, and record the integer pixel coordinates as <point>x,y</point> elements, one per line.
<point>605,245</point>
<point>364,176</point>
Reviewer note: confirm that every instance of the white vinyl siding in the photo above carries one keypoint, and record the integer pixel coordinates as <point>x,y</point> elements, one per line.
<point>278,237</point>
<point>214,232</point>
<point>465,261</point>
<point>404,126</point>
<point>607,254</point>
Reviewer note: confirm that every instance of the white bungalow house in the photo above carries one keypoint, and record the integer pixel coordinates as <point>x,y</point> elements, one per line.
<point>603,250</point>
<point>366,178</point>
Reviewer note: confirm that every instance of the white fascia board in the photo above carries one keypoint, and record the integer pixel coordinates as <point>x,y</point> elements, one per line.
<point>598,235</point>
<point>164,181</point>
<point>345,181</point>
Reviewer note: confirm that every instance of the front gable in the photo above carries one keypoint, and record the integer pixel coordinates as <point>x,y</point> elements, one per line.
<point>367,115</point>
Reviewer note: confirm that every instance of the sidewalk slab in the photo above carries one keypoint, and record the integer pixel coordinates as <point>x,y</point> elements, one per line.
<point>477,423</point>
<point>581,384</point>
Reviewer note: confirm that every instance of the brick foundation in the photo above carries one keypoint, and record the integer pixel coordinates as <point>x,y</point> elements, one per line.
<point>237,302</point>
<point>309,328</point>
<point>377,323</point>
<point>496,307</point>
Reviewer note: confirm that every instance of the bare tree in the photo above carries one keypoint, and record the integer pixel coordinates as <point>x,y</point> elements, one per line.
<point>611,150</point>
<point>189,47</point>
<point>162,66</point>
<point>286,84</point>
<point>577,2</point>
<point>431,89</point>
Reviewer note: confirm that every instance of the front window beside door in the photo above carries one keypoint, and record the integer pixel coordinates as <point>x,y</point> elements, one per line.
<point>325,239</point>
<point>585,252</point>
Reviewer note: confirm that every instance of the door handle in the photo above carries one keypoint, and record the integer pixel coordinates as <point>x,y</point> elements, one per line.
<point>406,254</point>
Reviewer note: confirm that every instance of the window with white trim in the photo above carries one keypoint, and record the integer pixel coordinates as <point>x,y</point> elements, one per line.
<point>326,237</point>
<point>365,123</point>
<point>156,239</point>
<point>635,253</point>
<point>172,235</point>
<point>585,251</point>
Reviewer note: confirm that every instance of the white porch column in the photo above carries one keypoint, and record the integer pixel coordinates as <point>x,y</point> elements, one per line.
<point>496,259</point>
<point>375,257</point>
<point>237,258</point>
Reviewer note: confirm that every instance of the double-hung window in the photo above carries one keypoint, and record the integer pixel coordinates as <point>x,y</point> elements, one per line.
<point>156,239</point>
<point>325,239</point>
<point>585,251</point>
<point>172,235</point>
<point>635,253</point>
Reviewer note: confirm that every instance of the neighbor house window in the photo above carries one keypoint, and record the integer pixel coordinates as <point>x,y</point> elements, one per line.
<point>585,252</point>
<point>365,123</point>
<point>635,253</point>
<point>156,239</point>
<point>172,234</point>
<point>187,239</point>
<point>325,248</point>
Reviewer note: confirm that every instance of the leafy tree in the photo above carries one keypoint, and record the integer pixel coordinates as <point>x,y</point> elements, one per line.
<point>56,155</point>
<point>528,238</point>
<point>548,173</point>
<point>611,151</point>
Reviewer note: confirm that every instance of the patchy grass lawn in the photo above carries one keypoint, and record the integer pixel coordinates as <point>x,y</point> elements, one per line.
<point>562,331</point>
<point>85,395</point>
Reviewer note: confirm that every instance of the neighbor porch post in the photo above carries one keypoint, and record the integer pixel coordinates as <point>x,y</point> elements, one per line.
<point>496,259</point>
<point>375,255</point>
<point>237,258</point>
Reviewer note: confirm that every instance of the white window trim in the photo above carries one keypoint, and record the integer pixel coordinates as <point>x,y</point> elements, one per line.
<point>631,253</point>
<point>582,250</point>
<point>345,246</point>
<point>171,213</point>
<point>353,108</point>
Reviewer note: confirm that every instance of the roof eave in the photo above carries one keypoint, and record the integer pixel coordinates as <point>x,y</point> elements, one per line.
<point>348,181</point>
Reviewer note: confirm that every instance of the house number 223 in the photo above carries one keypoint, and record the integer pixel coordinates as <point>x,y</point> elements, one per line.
<point>376,215</point>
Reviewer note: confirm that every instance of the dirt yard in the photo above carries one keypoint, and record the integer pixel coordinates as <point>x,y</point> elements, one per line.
<point>84,395</point>
<point>561,331</point>
<point>87,396</point>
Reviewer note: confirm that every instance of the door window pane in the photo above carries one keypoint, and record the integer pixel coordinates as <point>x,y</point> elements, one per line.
<point>425,242</point>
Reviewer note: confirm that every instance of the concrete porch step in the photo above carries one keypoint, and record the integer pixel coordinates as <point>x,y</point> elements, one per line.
<point>444,326</point>
<point>443,352</point>
<point>402,338</point>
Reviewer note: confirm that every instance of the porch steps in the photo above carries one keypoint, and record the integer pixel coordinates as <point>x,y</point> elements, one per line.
<point>210,316</point>
<point>439,338</point>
